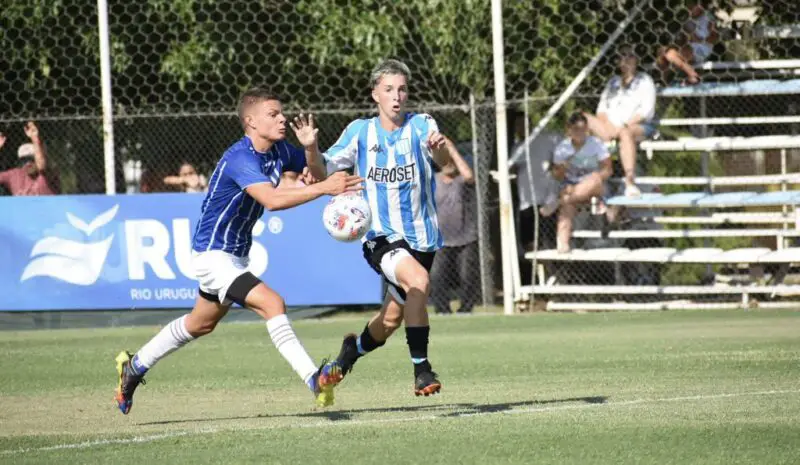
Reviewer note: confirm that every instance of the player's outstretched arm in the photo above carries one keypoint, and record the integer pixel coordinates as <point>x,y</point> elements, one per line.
<point>306,132</point>
<point>274,199</point>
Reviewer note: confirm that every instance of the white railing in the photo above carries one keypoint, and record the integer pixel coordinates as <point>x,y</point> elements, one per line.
<point>709,144</point>
<point>785,290</point>
<point>761,180</point>
<point>729,121</point>
<point>685,233</point>
<point>667,305</point>
<point>748,65</point>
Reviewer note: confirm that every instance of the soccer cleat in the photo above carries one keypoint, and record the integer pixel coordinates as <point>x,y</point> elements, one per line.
<point>128,381</point>
<point>426,384</point>
<point>325,379</point>
<point>348,354</point>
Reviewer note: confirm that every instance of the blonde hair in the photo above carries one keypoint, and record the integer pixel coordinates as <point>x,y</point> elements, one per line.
<point>390,67</point>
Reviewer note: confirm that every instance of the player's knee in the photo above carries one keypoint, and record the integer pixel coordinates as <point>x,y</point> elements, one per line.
<point>266,303</point>
<point>419,281</point>
<point>272,305</point>
<point>197,328</point>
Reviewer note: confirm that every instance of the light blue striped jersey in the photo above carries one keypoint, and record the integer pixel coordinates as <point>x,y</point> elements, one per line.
<point>229,213</point>
<point>400,185</point>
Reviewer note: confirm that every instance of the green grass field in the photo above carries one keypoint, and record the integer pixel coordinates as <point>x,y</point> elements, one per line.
<point>666,388</point>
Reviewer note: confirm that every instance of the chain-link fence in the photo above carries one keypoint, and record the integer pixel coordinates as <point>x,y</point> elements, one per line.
<point>722,69</point>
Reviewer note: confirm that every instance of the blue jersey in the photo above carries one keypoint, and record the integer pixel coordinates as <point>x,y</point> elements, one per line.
<point>228,213</point>
<point>400,185</point>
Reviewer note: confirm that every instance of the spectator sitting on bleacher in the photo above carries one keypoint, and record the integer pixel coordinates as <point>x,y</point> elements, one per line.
<point>693,46</point>
<point>582,164</point>
<point>31,177</point>
<point>626,112</point>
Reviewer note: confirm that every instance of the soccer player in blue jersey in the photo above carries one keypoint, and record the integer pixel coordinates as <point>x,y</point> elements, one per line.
<point>245,181</point>
<point>394,152</point>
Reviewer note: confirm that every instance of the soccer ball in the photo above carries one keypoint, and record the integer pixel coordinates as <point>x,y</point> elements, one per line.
<point>347,217</point>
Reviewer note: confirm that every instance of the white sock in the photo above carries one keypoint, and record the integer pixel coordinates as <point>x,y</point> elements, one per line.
<point>282,335</point>
<point>171,338</point>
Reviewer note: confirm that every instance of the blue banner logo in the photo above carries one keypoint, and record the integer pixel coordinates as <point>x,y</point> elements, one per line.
<point>134,251</point>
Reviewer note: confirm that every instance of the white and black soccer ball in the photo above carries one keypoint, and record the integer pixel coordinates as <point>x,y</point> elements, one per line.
<point>347,217</point>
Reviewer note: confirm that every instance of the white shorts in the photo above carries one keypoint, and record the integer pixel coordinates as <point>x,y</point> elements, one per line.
<point>389,263</point>
<point>384,255</point>
<point>216,270</point>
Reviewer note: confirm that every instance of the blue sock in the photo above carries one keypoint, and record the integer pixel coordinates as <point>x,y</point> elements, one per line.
<point>137,366</point>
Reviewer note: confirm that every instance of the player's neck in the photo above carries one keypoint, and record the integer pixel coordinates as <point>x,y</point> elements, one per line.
<point>260,144</point>
<point>390,124</point>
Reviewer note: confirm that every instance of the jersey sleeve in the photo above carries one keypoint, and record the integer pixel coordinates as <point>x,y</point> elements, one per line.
<point>562,152</point>
<point>601,151</point>
<point>343,154</point>
<point>244,170</point>
<point>294,158</point>
<point>426,126</point>
<point>647,98</point>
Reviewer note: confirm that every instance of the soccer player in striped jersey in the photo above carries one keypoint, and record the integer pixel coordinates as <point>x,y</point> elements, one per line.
<point>245,181</point>
<point>394,152</point>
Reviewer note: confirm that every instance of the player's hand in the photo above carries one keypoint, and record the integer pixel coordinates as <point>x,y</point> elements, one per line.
<point>341,182</point>
<point>32,131</point>
<point>305,129</point>
<point>2,140</point>
<point>436,141</point>
<point>307,178</point>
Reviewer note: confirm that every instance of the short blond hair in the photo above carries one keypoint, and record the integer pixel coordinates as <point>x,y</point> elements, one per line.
<point>390,67</point>
<point>252,96</point>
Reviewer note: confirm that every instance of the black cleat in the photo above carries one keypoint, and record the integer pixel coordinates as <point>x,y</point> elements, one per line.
<point>348,354</point>
<point>128,381</point>
<point>426,384</point>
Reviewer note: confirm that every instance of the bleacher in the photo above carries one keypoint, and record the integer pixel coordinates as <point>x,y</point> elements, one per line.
<point>705,208</point>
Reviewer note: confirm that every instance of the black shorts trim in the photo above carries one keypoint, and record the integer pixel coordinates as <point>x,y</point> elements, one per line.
<point>209,297</point>
<point>242,286</point>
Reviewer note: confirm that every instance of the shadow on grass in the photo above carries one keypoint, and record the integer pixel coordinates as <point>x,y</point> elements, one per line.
<point>440,410</point>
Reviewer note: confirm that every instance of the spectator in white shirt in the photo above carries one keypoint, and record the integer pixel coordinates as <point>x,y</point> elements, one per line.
<point>626,113</point>
<point>582,164</point>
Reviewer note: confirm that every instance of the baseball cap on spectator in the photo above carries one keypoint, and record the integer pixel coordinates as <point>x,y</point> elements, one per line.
<point>25,153</point>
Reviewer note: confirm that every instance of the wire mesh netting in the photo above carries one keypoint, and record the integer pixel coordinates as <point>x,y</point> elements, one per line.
<point>720,69</point>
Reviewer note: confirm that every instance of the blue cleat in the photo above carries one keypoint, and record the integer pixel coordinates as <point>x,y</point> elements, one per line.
<point>128,381</point>
<point>324,380</point>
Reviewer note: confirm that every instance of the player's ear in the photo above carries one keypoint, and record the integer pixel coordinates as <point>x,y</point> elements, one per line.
<point>375,95</point>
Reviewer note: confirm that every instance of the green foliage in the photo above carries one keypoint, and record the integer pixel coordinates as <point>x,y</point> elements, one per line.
<point>447,56</point>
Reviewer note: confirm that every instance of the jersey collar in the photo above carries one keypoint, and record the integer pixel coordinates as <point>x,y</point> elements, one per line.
<point>268,153</point>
